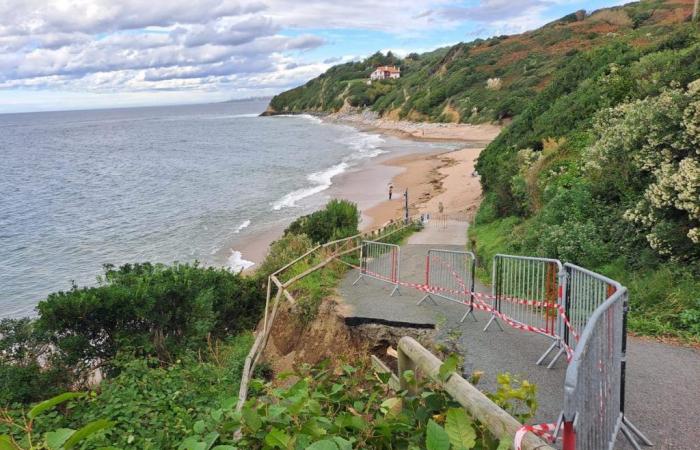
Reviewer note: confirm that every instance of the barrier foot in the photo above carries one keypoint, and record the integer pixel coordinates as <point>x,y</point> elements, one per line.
<point>546,353</point>
<point>630,431</point>
<point>395,291</point>
<point>468,313</point>
<point>427,296</point>
<point>556,358</point>
<point>492,320</point>
<point>358,280</point>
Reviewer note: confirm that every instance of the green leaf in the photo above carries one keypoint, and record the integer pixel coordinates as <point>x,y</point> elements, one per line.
<point>55,439</point>
<point>391,407</point>
<point>436,438</point>
<point>229,402</point>
<point>251,418</point>
<point>460,429</point>
<point>448,367</point>
<point>87,430</point>
<point>191,443</point>
<point>277,438</point>
<point>52,402</point>
<point>505,444</point>
<point>210,439</point>
<point>224,447</point>
<point>325,444</point>
<point>7,444</point>
<point>343,444</point>
<point>199,427</point>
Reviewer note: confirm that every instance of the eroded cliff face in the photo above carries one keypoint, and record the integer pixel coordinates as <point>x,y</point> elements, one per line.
<point>328,336</point>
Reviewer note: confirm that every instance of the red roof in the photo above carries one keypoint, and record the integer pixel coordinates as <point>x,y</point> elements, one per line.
<point>388,69</point>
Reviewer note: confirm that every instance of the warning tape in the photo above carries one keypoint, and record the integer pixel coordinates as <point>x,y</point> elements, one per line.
<point>483,306</point>
<point>543,430</point>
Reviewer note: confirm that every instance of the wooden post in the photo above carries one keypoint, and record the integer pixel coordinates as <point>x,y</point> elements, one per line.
<point>499,423</point>
<point>406,363</point>
<point>695,10</point>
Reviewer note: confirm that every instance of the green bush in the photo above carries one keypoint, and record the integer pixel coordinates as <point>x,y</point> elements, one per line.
<point>23,347</point>
<point>152,406</point>
<point>154,310</point>
<point>339,219</point>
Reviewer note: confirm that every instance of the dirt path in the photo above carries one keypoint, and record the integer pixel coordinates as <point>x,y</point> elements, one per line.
<point>662,396</point>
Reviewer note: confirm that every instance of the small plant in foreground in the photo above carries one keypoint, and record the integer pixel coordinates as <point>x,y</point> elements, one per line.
<point>62,438</point>
<point>346,407</point>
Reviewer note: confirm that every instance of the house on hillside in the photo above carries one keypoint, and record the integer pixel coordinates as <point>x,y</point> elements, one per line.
<point>385,73</point>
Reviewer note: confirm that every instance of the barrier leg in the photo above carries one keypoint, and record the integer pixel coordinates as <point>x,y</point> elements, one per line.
<point>468,313</point>
<point>426,297</point>
<point>493,319</point>
<point>556,358</point>
<point>546,353</point>
<point>569,436</point>
<point>395,291</point>
<point>358,279</point>
<point>630,431</point>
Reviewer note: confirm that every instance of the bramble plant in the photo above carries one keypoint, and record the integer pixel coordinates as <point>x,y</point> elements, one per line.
<point>345,407</point>
<point>59,439</point>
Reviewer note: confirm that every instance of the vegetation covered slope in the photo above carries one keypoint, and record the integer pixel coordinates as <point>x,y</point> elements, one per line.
<point>600,165</point>
<point>452,84</point>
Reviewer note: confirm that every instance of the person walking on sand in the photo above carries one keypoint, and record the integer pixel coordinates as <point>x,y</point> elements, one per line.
<point>391,190</point>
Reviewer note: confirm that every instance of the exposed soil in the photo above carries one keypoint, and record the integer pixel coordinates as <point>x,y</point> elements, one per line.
<point>328,336</point>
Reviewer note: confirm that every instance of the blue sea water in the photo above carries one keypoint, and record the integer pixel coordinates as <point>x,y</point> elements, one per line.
<point>180,183</point>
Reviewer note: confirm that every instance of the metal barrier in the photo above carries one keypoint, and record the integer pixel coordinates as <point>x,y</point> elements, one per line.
<point>380,261</point>
<point>528,291</point>
<point>585,292</point>
<point>449,274</point>
<point>594,389</point>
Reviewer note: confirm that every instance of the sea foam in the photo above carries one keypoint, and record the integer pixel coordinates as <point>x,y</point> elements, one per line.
<point>364,146</point>
<point>322,179</point>
<point>236,262</point>
<point>245,224</point>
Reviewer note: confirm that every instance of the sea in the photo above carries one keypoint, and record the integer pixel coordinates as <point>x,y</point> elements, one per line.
<point>80,189</point>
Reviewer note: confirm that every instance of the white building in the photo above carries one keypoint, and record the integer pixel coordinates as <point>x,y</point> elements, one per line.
<point>385,72</point>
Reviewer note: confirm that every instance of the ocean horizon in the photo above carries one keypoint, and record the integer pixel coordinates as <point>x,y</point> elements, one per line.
<point>163,184</point>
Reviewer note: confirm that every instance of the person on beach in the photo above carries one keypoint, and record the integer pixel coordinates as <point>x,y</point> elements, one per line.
<point>391,190</point>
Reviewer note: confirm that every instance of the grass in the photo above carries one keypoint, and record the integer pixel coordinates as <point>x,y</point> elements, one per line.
<point>487,240</point>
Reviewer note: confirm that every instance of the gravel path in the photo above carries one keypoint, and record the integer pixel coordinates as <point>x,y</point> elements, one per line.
<point>662,394</point>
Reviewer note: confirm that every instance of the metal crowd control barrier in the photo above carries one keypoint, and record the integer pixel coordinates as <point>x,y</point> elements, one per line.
<point>380,261</point>
<point>585,292</point>
<point>540,281</point>
<point>450,275</point>
<point>594,389</point>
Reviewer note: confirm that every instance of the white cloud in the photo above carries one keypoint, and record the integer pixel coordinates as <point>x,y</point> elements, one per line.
<point>137,46</point>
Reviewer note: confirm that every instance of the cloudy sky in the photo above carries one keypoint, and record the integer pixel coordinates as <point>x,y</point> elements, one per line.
<point>74,54</point>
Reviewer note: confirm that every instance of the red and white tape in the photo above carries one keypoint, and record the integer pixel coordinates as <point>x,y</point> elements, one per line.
<point>543,430</point>
<point>481,305</point>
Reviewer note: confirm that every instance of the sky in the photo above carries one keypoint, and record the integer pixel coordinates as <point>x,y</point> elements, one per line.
<point>83,54</point>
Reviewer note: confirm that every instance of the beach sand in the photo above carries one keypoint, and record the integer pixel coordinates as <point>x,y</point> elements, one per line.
<point>430,177</point>
<point>439,178</point>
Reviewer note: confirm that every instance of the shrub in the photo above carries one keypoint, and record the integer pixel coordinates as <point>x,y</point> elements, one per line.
<point>339,219</point>
<point>23,350</point>
<point>152,309</point>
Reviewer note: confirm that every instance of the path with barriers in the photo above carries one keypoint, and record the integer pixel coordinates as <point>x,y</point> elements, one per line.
<point>662,395</point>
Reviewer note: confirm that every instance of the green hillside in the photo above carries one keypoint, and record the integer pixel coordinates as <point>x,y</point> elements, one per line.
<point>599,165</point>
<point>450,84</point>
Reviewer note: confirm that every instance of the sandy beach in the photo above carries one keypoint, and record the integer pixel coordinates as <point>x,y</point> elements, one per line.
<point>446,178</point>
<point>431,177</point>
